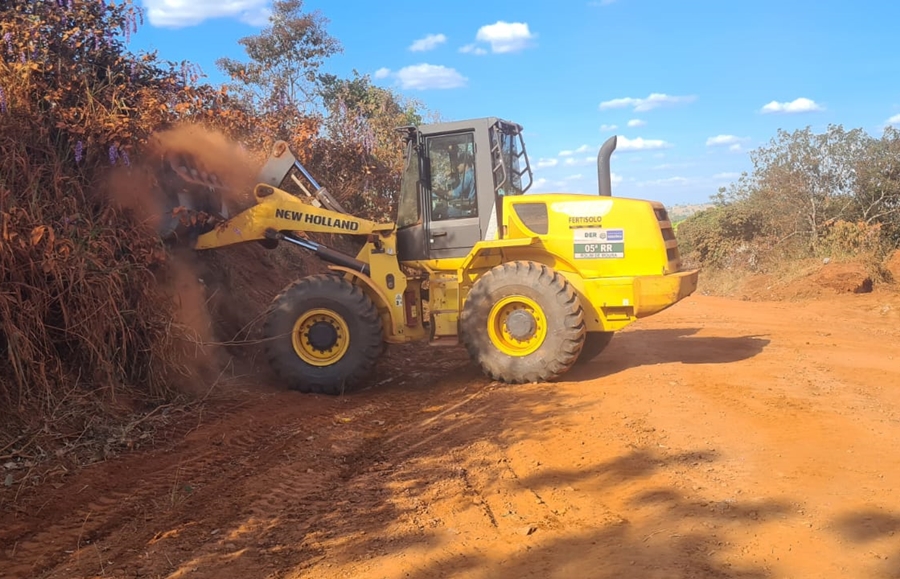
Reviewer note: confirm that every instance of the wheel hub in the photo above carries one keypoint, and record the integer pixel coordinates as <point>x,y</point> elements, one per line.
<point>521,325</point>
<point>517,325</point>
<point>322,336</point>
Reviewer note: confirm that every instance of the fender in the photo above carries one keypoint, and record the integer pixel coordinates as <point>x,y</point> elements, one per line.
<point>381,302</point>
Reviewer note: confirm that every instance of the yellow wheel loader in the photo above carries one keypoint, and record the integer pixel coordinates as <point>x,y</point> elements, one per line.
<point>529,284</point>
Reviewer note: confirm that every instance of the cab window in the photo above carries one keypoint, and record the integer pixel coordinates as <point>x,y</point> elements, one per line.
<point>451,159</point>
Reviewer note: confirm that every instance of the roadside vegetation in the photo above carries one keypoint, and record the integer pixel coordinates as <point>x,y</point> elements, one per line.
<point>828,197</point>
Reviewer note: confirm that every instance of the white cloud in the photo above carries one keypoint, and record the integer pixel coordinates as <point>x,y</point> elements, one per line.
<point>382,73</point>
<point>430,42</point>
<point>569,184</point>
<point>575,161</point>
<point>636,123</point>
<point>653,101</point>
<point>800,105</point>
<point>640,144</point>
<point>894,120</point>
<point>426,76</point>
<point>542,185</point>
<point>180,13</point>
<point>544,163</point>
<point>608,127</point>
<point>581,149</point>
<point>473,49</point>
<point>721,140</point>
<point>726,176</point>
<point>735,148</point>
<point>504,37</point>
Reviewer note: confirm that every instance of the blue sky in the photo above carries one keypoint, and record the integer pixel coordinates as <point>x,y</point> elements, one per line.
<point>689,87</point>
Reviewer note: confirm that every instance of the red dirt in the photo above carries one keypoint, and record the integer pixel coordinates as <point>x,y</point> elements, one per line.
<point>893,265</point>
<point>814,280</point>
<point>721,438</point>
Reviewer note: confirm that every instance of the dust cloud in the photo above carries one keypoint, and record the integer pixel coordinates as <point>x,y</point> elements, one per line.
<point>186,157</point>
<point>215,157</point>
<point>196,160</point>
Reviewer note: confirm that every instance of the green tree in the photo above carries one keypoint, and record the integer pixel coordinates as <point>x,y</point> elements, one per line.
<point>878,194</point>
<point>362,151</point>
<point>710,237</point>
<point>804,181</point>
<point>281,76</point>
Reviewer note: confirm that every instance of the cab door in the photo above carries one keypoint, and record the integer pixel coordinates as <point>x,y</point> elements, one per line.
<point>452,221</point>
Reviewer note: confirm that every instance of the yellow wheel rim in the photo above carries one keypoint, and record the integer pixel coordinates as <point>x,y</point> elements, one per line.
<point>517,326</point>
<point>320,337</point>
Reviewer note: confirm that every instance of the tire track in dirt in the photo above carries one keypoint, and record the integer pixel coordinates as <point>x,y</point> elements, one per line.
<point>154,484</point>
<point>301,514</point>
<point>236,488</point>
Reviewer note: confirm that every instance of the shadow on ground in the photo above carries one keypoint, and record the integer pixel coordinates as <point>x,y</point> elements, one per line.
<point>638,347</point>
<point>871,528</point>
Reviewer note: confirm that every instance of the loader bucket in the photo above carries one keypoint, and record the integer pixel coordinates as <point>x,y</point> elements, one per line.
<point>192,199</point>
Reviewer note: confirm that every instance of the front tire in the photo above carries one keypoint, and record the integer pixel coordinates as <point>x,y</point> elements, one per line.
<point>523,322</point>
<point>323,335</point>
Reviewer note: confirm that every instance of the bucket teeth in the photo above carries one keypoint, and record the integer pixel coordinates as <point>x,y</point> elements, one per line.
<point>189,171</point>
<point>194,197</point>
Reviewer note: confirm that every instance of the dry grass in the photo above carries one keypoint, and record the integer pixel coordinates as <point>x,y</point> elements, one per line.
<point>100,325</point>
<point>88,330</point>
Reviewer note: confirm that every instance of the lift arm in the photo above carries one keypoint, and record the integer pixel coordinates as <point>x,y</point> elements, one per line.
<point>278,210</point>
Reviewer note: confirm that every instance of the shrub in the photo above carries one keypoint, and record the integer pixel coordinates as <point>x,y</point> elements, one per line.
<point>81,304</point>
<point>713,236</point>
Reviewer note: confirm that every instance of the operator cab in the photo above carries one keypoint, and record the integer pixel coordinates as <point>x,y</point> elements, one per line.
<point>453,179</point>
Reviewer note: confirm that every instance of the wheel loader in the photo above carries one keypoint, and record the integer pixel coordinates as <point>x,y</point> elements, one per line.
<point>530,284</point>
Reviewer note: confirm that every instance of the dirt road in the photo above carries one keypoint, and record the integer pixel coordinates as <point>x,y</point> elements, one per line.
<point>721,438</point>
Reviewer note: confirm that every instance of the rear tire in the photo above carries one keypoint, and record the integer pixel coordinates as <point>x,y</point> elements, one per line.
<point>523,322</point>
<point>594,343</point>
<point>323,335</point>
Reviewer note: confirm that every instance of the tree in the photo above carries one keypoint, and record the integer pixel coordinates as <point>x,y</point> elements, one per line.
<point>807,181</point>
<point>362,151</point>
<point>878,195</point>
<point>281,77</point>
<point>712,236</point>
<point>82,308</point>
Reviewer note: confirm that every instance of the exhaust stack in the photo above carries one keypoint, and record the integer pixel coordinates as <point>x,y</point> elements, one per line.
<point>604,178</point>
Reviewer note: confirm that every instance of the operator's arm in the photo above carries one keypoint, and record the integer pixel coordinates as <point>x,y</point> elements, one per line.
<point>466,187</point>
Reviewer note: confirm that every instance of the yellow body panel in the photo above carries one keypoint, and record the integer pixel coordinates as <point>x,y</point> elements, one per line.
<point>614,252</point>
<point>609,223</point>
<point>387,286</point>
<point>444,305</point>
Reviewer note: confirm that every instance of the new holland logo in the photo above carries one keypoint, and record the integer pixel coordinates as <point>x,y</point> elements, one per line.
<point>345,224</point>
